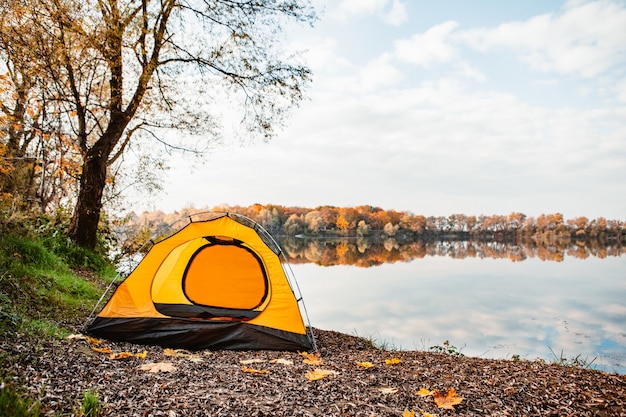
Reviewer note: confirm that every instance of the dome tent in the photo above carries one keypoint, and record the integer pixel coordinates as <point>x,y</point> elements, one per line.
<point>217,283</point>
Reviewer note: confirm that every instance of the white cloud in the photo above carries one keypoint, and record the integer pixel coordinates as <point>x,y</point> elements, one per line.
<point>379,73</point>
<point>584,39</point>
<point>397,15</point>
<point>621,91</point>
<point>392,12</point>
<point>431,47</point>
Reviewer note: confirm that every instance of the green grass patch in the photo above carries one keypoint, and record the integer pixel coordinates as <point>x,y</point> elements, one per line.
<point>15,403</point>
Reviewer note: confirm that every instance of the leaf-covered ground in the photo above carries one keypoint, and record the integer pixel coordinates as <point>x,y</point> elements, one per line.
<point>266,383</point>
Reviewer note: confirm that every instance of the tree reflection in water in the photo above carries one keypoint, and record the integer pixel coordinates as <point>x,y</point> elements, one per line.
<point>365,252</point>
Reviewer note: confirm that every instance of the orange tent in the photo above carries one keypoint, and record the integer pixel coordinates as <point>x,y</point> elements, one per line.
<point>216,283</point>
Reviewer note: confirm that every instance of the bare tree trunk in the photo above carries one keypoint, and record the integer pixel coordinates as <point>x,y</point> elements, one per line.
<point>83,228</point>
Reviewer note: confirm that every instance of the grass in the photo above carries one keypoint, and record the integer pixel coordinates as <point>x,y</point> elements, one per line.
<point>15,403</point>
<point>48,286</point>
<point>91,404</point>
<point>577,361</point>
<point>378,343</point>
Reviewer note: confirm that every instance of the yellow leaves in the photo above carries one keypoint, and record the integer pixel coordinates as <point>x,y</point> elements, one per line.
<point>312,358</point>
<point>102,350</point>
<point>126,355</point>
<point>447,401</point>
<point>254,371</point>
<point>392,361</point>
<point>424,392</point>
<point>121,355</point>
<point>182,353</point>
<point>366,365</point>
<point>158,367</point>
<point>317,374</point>
<point>408,413</point>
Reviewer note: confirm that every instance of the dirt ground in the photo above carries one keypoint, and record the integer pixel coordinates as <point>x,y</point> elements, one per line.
<point>359,381</point>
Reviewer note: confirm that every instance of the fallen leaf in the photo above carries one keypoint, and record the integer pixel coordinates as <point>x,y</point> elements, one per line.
<point>425,414</point>
<point>158,367</point>
<point>250,361</point>
<point>169,352</point>
<point>446,401</point>
<point>121,355</point>
<point>388,390</point>
<point>102,350</point>
<point>76,337</point>
<point>142,354</point>
<point>313,359</point>
<point>93,340</point>
<point>254,371</point>
<point>318,373</point>
<point>365,365</point>
<point>392,361</point>
<point>408,413</point>
<point>424,392</point>
<point>282,361</point>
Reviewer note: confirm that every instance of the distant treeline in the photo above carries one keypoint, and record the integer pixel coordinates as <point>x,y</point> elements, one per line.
<point>370,221</point>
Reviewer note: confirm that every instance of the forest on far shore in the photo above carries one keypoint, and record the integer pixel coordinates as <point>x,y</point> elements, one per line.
<point>370,221</point>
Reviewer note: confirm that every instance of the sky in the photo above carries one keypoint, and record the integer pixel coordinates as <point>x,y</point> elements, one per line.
<point>438,108</point>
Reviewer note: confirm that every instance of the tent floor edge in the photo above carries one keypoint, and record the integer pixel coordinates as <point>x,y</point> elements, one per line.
<point>197,334</point>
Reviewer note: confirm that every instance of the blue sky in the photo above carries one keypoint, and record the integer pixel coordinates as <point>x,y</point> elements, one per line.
<point>442,107</point>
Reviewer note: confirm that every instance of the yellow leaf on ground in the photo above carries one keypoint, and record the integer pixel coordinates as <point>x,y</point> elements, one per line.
<point>158,367</point>
<point>425,414</point>
<point>102,350</point>
<point>392,361</point>
<point>313,359</point>
<point>408,413</point>
<point>93,340</point>
<point>388,390</point>
<point>254,371</point>
<point>169,352</point>
<point>121,355</point>
<point>424,392</point>
<point>365,365</point>
<point>318,373</point>
<point>142,354</point>
<point>447,401</point>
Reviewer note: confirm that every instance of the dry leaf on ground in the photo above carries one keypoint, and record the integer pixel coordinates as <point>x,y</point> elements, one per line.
<point>447,401</point>
<point>318,373</point>
<point>254,371</point>
<point>121,355</point>
<point>424,392</point>
<point>392,361</point>
<point>312,359</point>
<point>282,361</point>
<point>158,367</point>
<point>388,390</point>
<point>102,350</point>
<point>365,365</point>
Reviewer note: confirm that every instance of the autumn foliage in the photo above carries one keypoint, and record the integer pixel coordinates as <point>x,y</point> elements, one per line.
<point>367,236</point>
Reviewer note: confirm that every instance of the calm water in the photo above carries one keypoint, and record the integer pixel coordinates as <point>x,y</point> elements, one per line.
<point>491,308</point>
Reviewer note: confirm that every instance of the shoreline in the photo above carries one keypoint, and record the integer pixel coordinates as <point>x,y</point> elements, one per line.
<point>216,383</point>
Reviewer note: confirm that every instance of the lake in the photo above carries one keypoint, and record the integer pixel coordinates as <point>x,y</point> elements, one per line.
<point>484,306</point>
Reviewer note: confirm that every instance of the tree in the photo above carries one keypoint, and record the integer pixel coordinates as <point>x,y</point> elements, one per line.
<point>122,71</point>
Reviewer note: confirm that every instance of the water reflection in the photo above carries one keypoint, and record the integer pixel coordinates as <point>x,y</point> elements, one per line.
<point>482,305</point>
<point>365,252</point>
